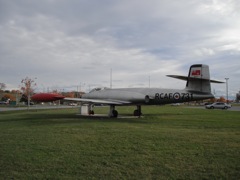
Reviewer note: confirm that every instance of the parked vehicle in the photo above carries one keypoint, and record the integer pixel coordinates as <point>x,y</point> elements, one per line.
<point>175,104</point>
<point>218,105</point>
<point>72,104</point>
<point>30,103</point>
<point>3,102</point>
<point>207,103</point>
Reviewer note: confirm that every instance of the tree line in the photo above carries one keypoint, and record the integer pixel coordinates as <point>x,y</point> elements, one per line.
<point>26,90</point>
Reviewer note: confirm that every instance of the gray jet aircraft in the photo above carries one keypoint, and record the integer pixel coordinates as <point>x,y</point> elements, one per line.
<point>198,87</point>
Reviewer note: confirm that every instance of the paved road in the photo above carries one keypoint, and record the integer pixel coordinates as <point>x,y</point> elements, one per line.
<point>233,108</point>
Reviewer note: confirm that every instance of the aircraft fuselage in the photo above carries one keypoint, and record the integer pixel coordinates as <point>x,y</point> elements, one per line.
<point>147,96</point>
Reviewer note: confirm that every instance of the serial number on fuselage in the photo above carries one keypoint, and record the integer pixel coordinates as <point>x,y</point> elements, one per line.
<point>174,96</point>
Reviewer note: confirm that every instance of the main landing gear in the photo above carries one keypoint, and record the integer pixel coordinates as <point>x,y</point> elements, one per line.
<point>114,113</point>
<point>90,109</point>
<point>138,111</point>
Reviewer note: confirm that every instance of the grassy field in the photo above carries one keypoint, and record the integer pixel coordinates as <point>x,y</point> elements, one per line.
<point>168,143</point>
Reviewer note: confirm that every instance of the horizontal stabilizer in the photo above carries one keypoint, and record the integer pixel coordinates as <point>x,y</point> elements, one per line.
<point>186,78</point>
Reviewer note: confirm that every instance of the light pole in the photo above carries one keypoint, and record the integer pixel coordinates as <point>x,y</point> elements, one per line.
<point>149,81</point>
<point>227,88</point>
<point>111,78</point>
<point>80,89</point>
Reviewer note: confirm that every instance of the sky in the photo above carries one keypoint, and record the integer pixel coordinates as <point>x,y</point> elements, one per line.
<point>81,44</point>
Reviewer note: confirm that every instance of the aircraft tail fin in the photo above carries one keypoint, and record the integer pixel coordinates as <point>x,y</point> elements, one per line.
<point>198,78</point>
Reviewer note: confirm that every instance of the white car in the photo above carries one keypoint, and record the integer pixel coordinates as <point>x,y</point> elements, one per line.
<point>218,105</point>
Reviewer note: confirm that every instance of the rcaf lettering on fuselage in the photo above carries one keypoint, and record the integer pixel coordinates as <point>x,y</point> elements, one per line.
<point>174,96</point>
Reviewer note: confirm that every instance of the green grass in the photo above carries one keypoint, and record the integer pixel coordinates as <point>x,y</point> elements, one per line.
<point>168,143</point>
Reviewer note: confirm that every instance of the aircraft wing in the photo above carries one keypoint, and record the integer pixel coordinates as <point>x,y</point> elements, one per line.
<point>98,101</point>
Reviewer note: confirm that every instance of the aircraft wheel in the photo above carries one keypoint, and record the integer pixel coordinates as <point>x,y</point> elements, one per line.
<point>91,112</point>
<point>115,113</point>
<point>136,113</point>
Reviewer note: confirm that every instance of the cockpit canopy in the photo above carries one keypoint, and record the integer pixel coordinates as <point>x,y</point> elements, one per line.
<point>98,89</point>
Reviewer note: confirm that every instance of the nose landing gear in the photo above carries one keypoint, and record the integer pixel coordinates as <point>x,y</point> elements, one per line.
<point>113,112</point>
<point>138,111</point>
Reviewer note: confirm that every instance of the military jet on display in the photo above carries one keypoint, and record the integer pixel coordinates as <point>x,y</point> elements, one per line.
<point>198,87</point>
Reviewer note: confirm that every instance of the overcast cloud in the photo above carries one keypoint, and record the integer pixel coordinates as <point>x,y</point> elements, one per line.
<point>68,43</point>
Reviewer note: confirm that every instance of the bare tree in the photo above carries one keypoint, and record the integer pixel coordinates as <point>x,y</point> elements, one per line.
<point>27,87</point>
<point>2,86</point>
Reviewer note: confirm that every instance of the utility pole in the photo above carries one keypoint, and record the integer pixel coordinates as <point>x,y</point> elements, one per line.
<point>227,88</point>
<point>80,89</point>
<point>149,81</point>
<point>111,78</point>
<point>77,91</point>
